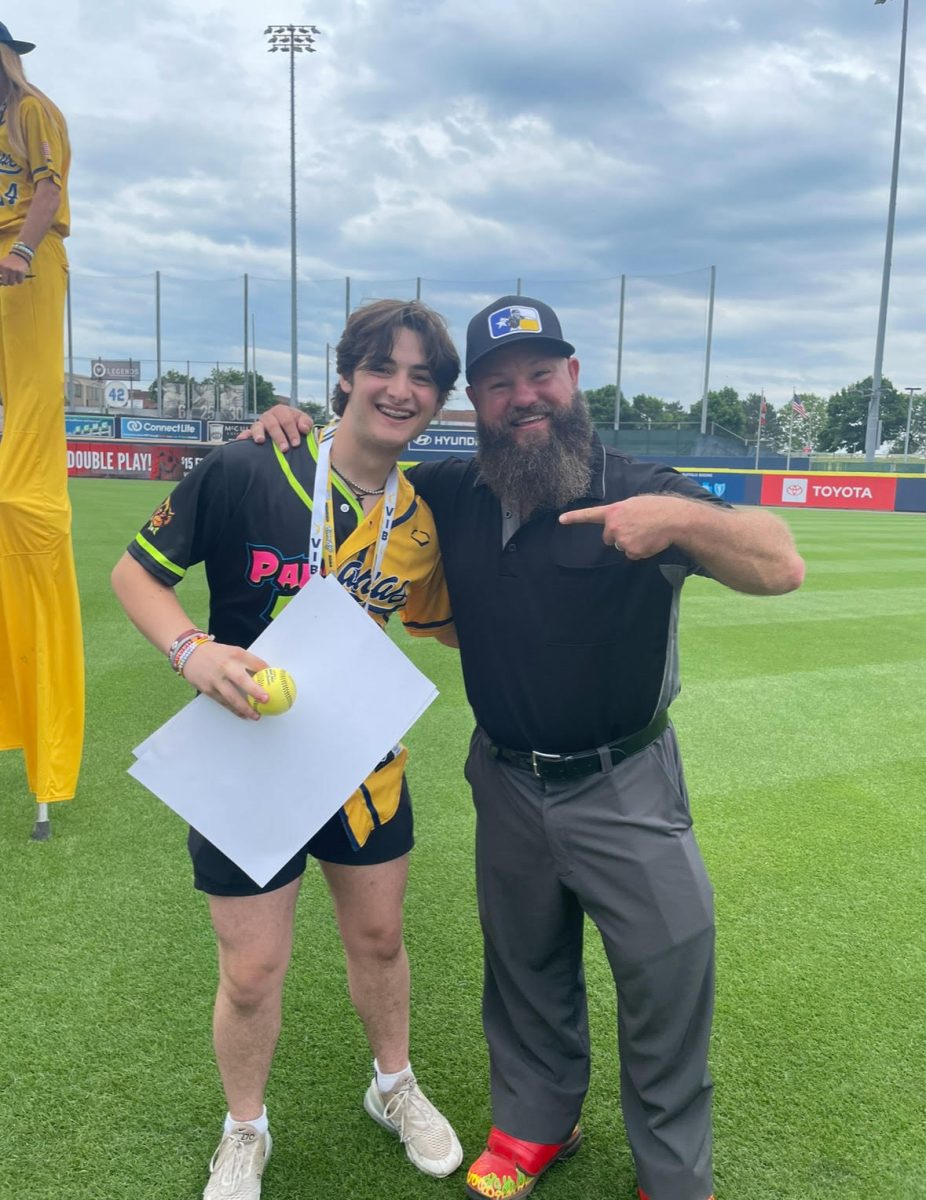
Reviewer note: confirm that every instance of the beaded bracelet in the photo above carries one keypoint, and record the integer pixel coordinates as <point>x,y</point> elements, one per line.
<point>182,649</point>
<point>182,637</point>
<point>181,644</point>
<point>187,651</point>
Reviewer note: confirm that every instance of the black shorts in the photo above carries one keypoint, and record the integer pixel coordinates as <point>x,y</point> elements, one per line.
<point>216,874</point>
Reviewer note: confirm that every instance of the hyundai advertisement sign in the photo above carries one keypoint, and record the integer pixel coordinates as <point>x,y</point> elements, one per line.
<point>436,443</point>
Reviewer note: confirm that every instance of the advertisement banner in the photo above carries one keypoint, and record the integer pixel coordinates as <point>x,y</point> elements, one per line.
<point>159,429</point>
<point>226,431</point>
<point>116,368</point>
<point>728,487</point>
<point>830,491</point>
<point>90,426</point>
<point>438,443</point>
<point>106,460</point>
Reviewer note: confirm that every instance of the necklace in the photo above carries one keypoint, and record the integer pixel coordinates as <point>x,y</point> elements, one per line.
<point>360,492</point>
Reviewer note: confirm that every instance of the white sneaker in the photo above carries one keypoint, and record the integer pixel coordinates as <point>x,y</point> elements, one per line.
<point>426,1134</point>
<point>238,1164</point>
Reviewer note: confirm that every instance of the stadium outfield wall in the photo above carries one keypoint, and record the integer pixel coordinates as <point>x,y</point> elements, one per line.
<point>799,487</point>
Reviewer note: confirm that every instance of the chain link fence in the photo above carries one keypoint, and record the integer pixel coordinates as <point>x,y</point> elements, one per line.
<point>191,327</point>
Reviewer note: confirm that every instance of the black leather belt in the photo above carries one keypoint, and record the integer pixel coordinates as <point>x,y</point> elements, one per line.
<point>583,762</point>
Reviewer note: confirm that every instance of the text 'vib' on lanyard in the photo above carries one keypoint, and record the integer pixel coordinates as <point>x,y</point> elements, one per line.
<point>322,546</point>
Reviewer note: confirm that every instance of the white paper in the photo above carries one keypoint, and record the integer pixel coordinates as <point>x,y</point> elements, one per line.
<point>260,789</point>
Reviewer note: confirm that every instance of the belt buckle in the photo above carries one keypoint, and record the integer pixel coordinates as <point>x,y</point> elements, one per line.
<point>537,757</point>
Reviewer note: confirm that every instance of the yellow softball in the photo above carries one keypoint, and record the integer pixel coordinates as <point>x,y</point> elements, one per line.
<point>280,688</point>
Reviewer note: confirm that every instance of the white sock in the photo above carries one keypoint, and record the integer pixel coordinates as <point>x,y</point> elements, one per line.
<point>261,1124</point>
<point>386,1083</point>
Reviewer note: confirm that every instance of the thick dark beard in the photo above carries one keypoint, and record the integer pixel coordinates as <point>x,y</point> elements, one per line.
<point>545,475</point>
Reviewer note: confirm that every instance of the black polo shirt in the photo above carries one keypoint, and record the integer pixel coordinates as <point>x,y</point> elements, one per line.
<point>566,644</point>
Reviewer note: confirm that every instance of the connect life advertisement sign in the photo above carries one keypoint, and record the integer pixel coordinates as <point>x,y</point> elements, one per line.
<point>830,491</point>
<point>159,429</point>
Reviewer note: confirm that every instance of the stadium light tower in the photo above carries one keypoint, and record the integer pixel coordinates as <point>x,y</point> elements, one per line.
<point>292,40</point>
<point>874,404</point>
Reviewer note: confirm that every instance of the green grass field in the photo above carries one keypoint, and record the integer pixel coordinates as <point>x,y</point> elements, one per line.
<point>802,723</point>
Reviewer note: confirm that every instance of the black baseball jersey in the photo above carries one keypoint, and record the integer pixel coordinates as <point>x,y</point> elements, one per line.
<point>245,513</point>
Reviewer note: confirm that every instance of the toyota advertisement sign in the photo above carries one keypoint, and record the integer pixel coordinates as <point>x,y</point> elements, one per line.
<point>830,491</point>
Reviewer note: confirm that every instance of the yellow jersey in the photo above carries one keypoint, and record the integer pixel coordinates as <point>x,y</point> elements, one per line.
<point>48,156</point>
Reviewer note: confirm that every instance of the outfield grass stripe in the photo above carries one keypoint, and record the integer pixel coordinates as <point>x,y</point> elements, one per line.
<point>898,562</point>
<point>845,604</point>
<point>740,653</point>
<point>807,688</point>
<point>826,548</point>
<point>798,725</point>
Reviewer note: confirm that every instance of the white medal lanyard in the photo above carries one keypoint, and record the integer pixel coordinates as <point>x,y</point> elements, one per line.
<point>322,546</point>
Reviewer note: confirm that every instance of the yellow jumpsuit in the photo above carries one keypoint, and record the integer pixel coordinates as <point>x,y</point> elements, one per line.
<point>41,646</point>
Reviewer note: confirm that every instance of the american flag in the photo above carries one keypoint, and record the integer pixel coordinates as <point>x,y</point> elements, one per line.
<point>762,408</point>
<point>798,407</point>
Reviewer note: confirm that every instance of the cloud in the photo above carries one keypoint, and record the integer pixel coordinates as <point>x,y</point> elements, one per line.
<point>470,146</point>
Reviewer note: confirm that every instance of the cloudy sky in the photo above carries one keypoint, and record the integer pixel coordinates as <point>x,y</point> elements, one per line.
<point>474,145</point>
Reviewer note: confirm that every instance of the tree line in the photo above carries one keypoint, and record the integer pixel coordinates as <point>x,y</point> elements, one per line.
<point>835,423</point>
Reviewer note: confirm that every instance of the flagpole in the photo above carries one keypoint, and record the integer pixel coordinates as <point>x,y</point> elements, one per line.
<point>790,428</point>
<point>759,427</point>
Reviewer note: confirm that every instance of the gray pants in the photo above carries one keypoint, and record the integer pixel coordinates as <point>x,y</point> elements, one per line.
<point>618,847</point>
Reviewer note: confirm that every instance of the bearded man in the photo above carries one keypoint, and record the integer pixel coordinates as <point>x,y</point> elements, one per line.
<point>565,560</point>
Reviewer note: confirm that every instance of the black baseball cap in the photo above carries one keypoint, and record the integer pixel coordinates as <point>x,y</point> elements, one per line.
<point>7,39</point>
<point>512,319</point>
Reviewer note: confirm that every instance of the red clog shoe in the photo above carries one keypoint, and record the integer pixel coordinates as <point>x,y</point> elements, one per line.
<point>508,1168</point>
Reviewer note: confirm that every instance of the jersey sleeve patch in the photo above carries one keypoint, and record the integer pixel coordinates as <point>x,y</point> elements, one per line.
<point>43,145</point>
